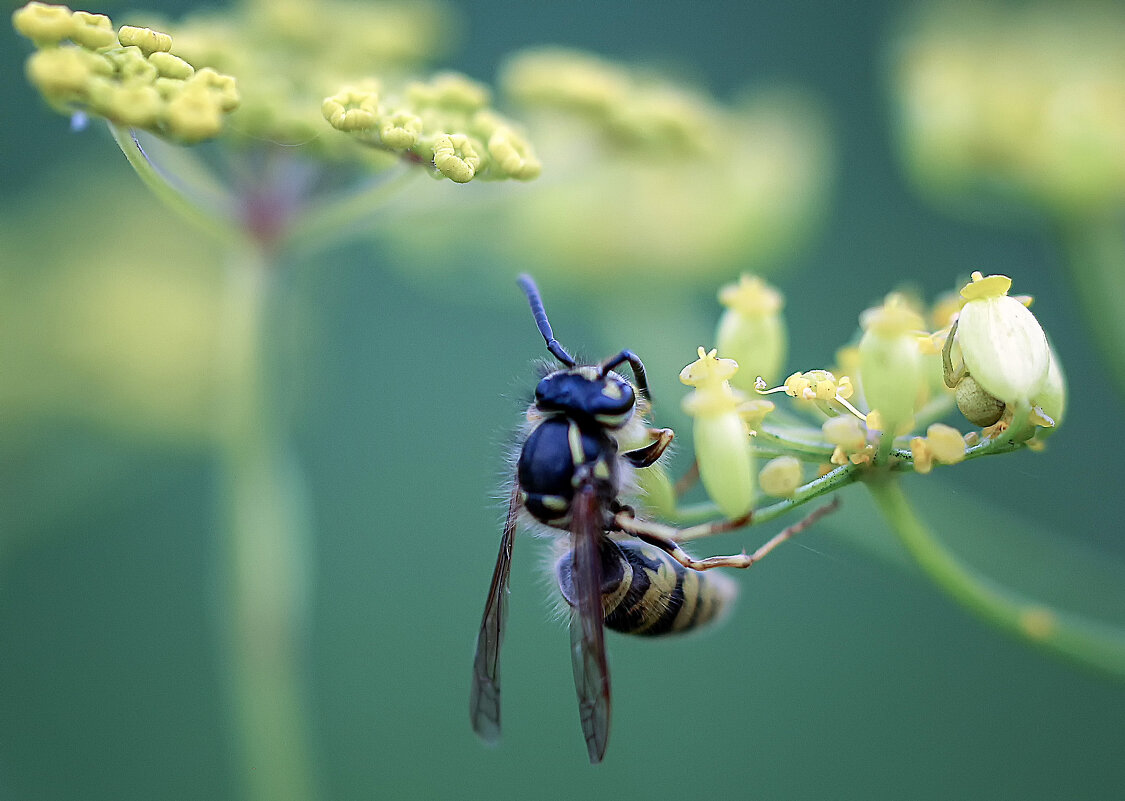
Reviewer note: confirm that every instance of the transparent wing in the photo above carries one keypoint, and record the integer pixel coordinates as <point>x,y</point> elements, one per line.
<point>484,698</point>
<point>587,631</point>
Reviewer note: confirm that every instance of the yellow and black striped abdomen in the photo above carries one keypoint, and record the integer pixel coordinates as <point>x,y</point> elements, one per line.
<point>647,592</point>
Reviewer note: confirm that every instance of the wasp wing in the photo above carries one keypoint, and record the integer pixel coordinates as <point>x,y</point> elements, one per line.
<point>587,630</point>
<point>484,698</point>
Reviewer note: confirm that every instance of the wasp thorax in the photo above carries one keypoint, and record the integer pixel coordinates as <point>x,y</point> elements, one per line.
<point>582,393</point>
<point>979,407</point>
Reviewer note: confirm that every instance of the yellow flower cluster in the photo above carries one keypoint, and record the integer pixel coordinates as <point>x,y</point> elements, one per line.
<point>627,105</point>
<point>1028,98</point>
<point>291,54</point>
<point>445,122</point>
<point>128,76</point>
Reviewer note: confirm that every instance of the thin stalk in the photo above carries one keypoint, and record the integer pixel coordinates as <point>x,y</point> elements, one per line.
<point>329,221</point>
<point>829,482</point>
<point>264,543</point>
<point>1095,251</point>
<point>209,217</point>
<point>1090,643</point>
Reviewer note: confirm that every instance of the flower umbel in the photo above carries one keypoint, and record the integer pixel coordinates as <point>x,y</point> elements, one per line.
<point>129,77</point>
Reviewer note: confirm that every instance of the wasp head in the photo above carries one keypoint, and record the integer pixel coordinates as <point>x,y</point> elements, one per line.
<point>587,393</point>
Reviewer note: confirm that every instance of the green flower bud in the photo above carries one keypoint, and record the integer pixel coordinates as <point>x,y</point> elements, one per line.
<point>891,369</point>
<point>400,130</point>
<point>1002,344</point>
<point>351,109</point>
<point>456,157</point>
<point>170,66</point>
<point>42,23</point>
<point>194,115</point>
<point>752,331</point>
<point>722,438</point>
<point>148,40</point>
<point>93,31</point>
<point>780,477</point>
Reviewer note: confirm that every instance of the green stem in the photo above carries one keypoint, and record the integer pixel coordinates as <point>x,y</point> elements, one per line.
<point>328,221</point>
<point>265,539</point>
<point>829,482</point>
<point>1095,247</point>
<point>210,217</point>
<point>1090,643</point>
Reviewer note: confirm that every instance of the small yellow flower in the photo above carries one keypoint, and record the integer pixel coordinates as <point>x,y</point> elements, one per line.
<point>942,444</point>
<point>819,386</point>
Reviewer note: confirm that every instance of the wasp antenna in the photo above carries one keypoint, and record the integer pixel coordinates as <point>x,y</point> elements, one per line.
<point>527,284</point>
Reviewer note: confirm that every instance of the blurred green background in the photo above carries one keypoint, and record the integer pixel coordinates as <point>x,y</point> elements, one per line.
<point>841,674</point>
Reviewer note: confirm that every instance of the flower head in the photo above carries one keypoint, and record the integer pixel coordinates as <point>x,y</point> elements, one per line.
<point>130,77</point>
<point>1002,344</point>
<point>751,329</point>
<point>721,435</point>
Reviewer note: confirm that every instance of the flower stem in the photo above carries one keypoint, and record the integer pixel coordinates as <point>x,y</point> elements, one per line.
<point>1091,643</point>
<point>209,217</point>
<point>328,222</point>
<point>1095,248</point>
<point>263,550</point>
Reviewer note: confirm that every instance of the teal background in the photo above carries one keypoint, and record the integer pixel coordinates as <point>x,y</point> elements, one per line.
<point>842,672</point>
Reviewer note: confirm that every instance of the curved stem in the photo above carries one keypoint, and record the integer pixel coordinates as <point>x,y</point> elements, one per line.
<point>333,218</point>
<point>1095,251</point>
<point>1090,643</point>
<point>212,218</point>
<point>263,550</point>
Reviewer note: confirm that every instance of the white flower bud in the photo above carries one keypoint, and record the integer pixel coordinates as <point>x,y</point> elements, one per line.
<point>1002,344</point>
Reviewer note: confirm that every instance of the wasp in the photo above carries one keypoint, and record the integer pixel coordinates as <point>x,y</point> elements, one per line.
<point>618,571</point>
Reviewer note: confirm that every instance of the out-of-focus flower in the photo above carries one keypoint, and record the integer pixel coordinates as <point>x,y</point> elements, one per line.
<point>643,178</point>
<point>1025,99</point>
<point>751,330</point>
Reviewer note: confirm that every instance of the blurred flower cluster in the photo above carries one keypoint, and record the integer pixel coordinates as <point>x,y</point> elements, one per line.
<point>1026,101</point>
<point>644,176</point>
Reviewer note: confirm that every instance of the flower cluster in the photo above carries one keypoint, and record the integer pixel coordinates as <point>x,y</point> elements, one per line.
<point>1027,98</point>
<point>444,122</point>
<point>1008,381</point>
<point>129,76</point>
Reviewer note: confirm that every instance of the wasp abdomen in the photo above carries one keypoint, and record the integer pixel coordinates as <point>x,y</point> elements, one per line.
<point>647,592</point>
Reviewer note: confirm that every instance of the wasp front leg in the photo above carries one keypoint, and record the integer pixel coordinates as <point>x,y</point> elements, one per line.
<point>649,454</point>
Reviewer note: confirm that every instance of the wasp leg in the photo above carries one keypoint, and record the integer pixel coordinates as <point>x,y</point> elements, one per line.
<point>647,456</point>
<point>665,537</point>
